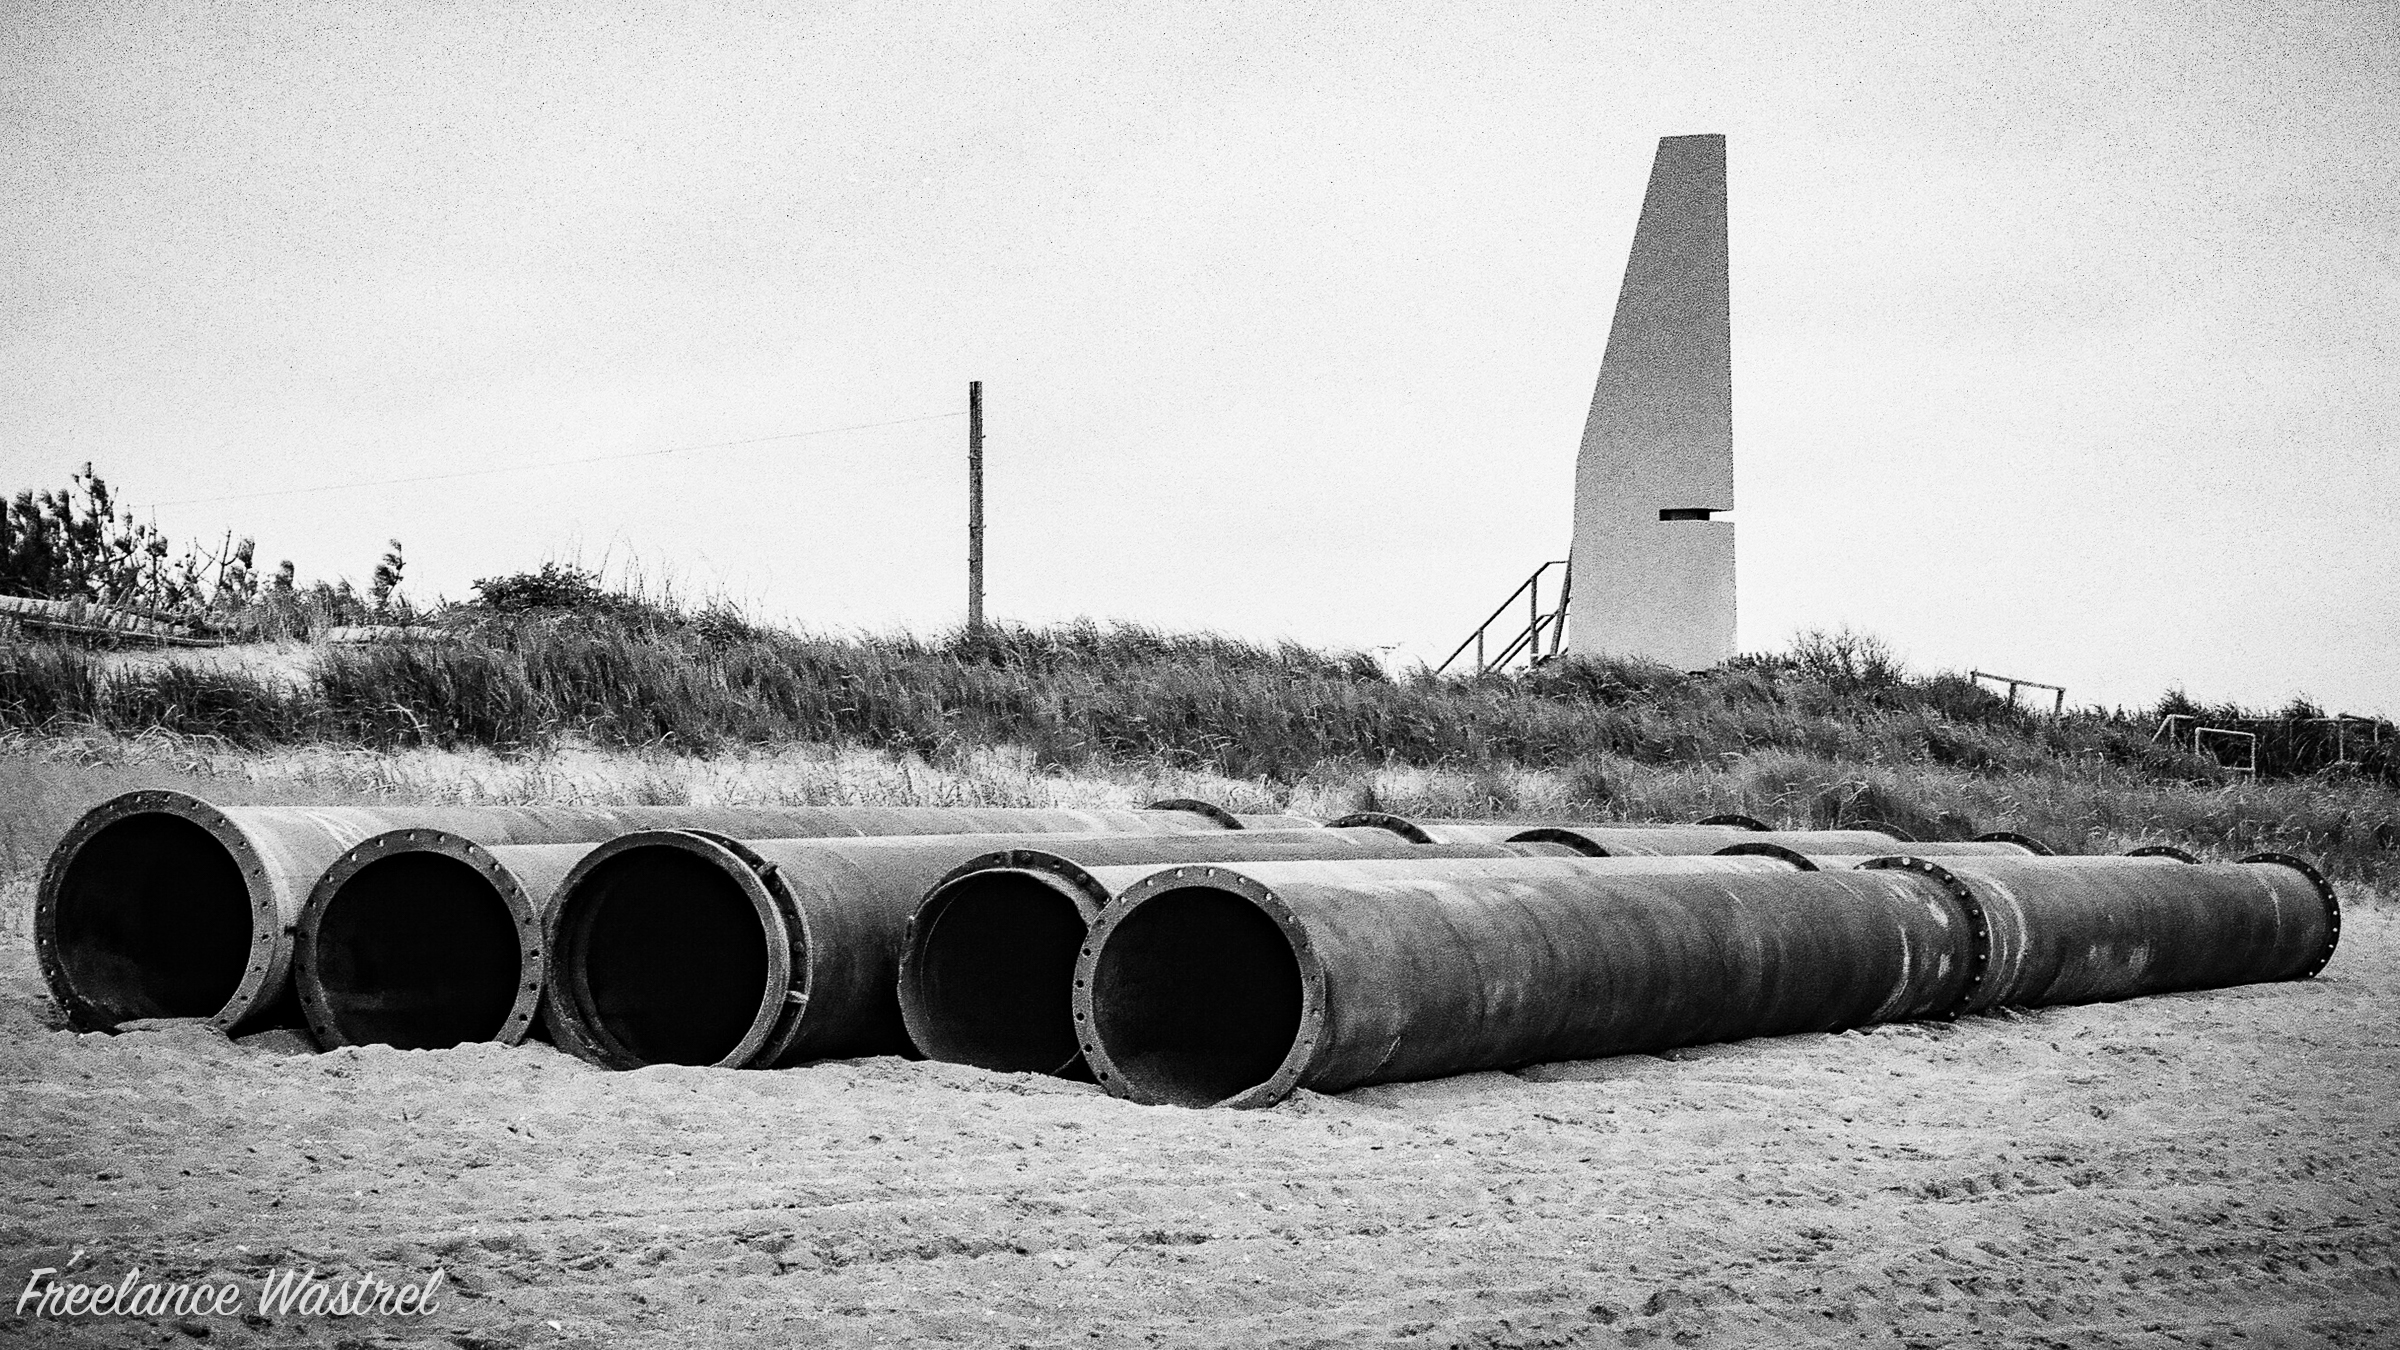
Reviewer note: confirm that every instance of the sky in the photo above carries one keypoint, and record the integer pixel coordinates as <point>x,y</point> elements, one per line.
<point>2065,336</point>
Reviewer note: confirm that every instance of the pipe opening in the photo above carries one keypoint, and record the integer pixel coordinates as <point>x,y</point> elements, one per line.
<point>153,920</point>
<point>420,951</point>
<point>1196,997</point>
<point>669,957</point>
<point>994,973</point>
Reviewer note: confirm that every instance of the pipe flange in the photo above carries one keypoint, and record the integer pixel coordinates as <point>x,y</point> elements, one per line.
<point>1381,820</point>
<point>1979,927</point>
<point>1760,848</point>
<point>524,912</point>
<point>1559,834</point>
<point>1737,820</point>
<point>1197,807</point>
<point>1069,878</point>
<point>1296,1061</point>
<point>2024,841</point>
<point>795,1001</point>
<point>2333,904</point>
<point>269,958</point>
<point>1087,892</point>
<point>2161,851</point>
<point>770,898</point>
<point>1879,827</point>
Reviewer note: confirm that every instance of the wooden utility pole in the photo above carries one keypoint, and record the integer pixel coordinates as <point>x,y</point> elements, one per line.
<point>974,506</point>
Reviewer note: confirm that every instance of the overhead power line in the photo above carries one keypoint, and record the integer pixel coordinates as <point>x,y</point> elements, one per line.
<point>547,464</point>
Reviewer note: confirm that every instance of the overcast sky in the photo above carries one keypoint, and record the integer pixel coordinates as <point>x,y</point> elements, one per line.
<point>2065,337</point>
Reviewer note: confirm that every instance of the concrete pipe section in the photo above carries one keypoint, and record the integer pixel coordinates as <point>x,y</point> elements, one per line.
<point>158,904</point>
<point>2089,930</point>
<point>423,940</point>
<point>989,959</point>
<point>674,947</point>
<point>1237,985</point>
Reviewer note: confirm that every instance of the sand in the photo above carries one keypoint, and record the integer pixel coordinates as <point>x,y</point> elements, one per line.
<point>2203,1169</point>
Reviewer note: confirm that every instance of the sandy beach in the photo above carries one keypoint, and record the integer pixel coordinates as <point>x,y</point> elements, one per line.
<point>2217,1168</point>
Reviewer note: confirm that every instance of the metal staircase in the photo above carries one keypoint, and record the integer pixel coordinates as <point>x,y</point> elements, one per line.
<point>1527,641</point>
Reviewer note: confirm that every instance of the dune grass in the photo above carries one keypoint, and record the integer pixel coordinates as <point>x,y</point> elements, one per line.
<point>1073,695</point>
<point>642,704</point>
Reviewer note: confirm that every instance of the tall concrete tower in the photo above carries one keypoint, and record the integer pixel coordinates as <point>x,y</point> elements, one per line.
<point>1653,575</point>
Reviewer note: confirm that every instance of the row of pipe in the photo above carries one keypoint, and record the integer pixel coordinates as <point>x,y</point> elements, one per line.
<point>159,904</point>
<point>1178,954</point>
<point>1228,985</point>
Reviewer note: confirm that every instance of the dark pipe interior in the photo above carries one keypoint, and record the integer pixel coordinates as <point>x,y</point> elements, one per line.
<point>996,968</point>
<point>153,920</point>
<point>672,955</point>
<point>1197,995</point>
<point>418,950</point>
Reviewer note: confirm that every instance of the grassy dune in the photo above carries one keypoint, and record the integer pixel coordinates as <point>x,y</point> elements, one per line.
<point>1073,695</point>
<point>645,705</point>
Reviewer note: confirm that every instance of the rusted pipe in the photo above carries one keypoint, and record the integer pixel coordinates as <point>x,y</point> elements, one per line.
<point>158,904</point>
<point>1664,838</point>
<point>423,939</point>
<point>1232,821</point>
<point>675,947</point>
<point>989,959</point>
<point>2090,930</point>
<point>1811,859</point>
<point>1210,985</point>
<point>1429,831</point>
<point>1607,841</point>
<point>1952,851</point>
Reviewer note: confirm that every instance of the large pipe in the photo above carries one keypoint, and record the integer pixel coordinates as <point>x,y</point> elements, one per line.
<point>676,947</point>
<point>1609,841</point>
<point>1230,820</point>
<point>1956,850</point>
<point>1431,831</point>
<point>423,939</point>
<point>1236,986</point>
<point>2089,930</point>
<point>1811,857</point>
<point>989,959</point>
<point>1428,831</point>
<point>158,904</point>
<point>2024,841</point>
